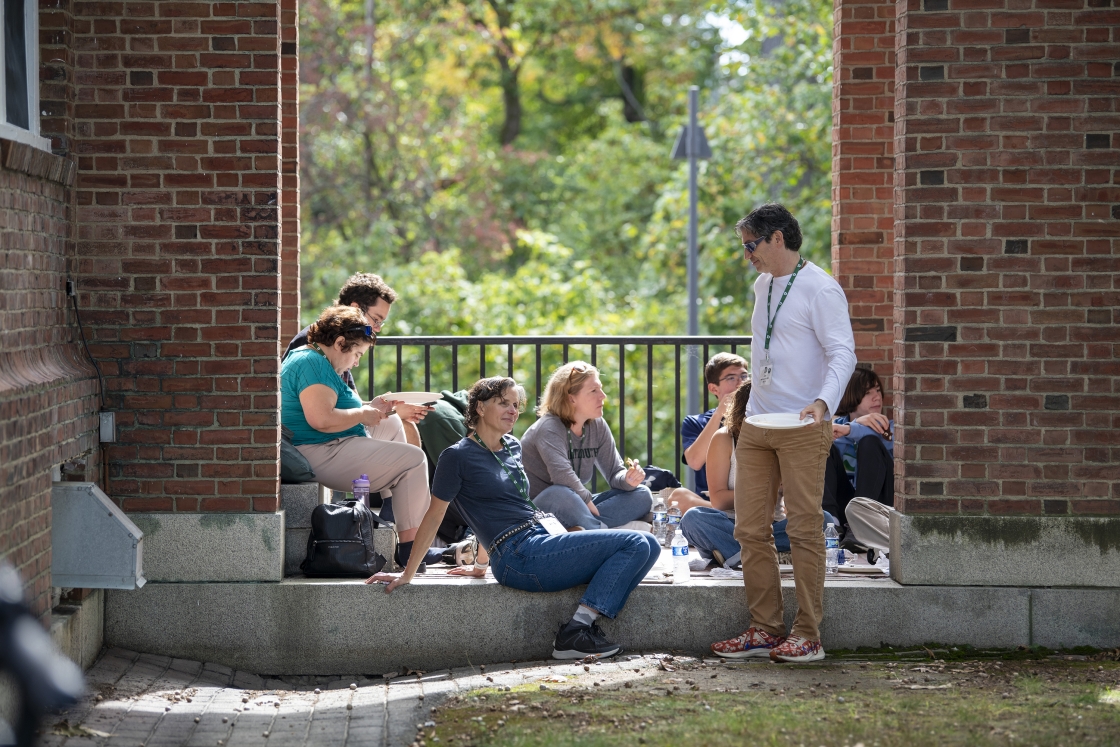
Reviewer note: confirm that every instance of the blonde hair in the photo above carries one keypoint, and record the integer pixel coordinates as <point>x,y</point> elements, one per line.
<point>565,381</point>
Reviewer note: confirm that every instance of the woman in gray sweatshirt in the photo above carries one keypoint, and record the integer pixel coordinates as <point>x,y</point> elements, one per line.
<point>562,449</point>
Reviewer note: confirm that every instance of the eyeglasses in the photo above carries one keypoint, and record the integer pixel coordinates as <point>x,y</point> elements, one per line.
<point>750,246</point>
<point>741,378</point>
<point>373,320</point>
<point>365,327</point>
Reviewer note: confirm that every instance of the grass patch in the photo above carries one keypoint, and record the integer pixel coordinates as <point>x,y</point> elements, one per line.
<point>1035,702</point>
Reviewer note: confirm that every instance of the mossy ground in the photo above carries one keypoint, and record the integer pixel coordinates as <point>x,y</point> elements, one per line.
<point>877,698</point>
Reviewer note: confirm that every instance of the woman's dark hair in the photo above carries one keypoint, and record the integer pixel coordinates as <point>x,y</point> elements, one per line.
<point>340,321</point>
<point>862,382</point>
<point>738,410</point>
<point>488,389</point>
<point>764,221</point>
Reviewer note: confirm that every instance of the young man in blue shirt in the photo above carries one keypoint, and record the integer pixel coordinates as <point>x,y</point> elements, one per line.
<point>723,374</point>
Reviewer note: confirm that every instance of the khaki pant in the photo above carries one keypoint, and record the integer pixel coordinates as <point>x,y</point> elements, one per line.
<point>870,522</point>
<point>799,455</point>
<point>394,467</point>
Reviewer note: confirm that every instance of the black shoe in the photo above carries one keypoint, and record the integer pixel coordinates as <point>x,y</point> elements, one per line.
<point>576,641</point>
<point>849,543</point>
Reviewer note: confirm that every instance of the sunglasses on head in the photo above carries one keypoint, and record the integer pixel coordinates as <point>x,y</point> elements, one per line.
<point>367,329</point>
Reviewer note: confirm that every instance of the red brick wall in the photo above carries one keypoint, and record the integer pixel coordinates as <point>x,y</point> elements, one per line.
<point>1006,238</point>
<point>48,393</point>
<point>863,174</point>
<point>289,95</point>
<point>178,135</point>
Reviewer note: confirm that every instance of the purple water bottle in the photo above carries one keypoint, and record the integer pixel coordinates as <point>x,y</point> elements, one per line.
<point>361,490</point>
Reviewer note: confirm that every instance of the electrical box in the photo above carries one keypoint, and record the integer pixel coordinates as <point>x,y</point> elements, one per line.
<point>108,427</point>
<point>93,544</point>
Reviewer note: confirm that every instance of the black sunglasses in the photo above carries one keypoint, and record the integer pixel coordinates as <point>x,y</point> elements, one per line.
<point>364,327</point>
<point>750,246</point>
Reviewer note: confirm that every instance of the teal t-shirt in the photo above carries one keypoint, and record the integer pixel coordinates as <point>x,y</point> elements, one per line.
<point>300,370</point>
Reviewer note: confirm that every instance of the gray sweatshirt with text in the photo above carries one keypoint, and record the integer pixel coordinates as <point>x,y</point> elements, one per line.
<point>553,455</point>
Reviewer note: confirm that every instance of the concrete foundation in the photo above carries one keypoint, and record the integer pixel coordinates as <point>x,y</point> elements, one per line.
<point>79,629</point>
<point>212,547</point>
<point>303,626</point>
<point>1005,551</point>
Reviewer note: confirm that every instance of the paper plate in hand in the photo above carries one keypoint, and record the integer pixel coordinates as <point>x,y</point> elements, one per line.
<point>412,398</point>
<point>778,420</point>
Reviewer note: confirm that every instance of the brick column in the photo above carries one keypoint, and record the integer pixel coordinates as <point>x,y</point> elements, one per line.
<point>863,174</point>
<point>178,136</point>
<point>289,193</point>
<point>1006,236</point>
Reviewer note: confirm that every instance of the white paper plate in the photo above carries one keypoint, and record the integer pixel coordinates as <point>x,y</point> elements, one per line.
<point>778,420</point>
<point>412,398</point>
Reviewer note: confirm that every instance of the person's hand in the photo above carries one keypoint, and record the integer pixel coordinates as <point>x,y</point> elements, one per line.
<point>384,406</point>
<point>593,508</point>
<point>818,411</point>
<point>724,406</point>
<point>635,475</point>
<point>468,570</point>
<point>877,422</point>
<point>838,431</point>
<point>370,415</point>
<point>412,413</point>
<point>393,580</point>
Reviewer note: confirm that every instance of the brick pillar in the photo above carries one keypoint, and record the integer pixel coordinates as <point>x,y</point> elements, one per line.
<point>863,174</point>
<point>289,193</point>
<point>178,135</point>
<point>1006,236</point>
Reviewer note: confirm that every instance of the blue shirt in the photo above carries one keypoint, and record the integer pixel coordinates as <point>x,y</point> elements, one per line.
<point>848,444</point>
<point>690,431</point>
<point>300,370</point>
<point>487,497</point>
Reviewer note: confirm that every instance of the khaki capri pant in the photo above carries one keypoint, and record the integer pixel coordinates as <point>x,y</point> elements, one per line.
<point>395,468</point>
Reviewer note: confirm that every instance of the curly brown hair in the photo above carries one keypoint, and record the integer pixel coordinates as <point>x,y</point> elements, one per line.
<point>490,388</point>
<point>365,289</point>
<point>339,321</point>
<point>862,382</point>
<point>738,410</point>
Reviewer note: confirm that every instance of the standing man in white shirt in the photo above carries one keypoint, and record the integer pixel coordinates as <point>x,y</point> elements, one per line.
<point>802,355</point>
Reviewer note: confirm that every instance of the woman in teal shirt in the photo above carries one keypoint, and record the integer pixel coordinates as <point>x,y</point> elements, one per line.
<point>329,422</point>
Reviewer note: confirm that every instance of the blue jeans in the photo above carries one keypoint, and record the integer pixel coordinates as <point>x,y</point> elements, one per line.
<point>709,529</point>
<point>616,507</point>
<point>610,562</point>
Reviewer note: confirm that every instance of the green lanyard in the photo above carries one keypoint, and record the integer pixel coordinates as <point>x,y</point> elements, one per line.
<point>521,488</point>
<point>769,321</point>
<point>571,456</point>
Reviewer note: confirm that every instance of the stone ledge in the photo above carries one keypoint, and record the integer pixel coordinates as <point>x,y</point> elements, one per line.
<point>304,626</point>
<point>213,547</point>
<point>1005,551</point>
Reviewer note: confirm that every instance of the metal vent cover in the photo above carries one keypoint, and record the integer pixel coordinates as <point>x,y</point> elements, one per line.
<point>93,544</point>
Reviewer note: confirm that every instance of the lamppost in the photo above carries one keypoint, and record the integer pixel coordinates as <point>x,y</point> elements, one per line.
<point>692,145</point>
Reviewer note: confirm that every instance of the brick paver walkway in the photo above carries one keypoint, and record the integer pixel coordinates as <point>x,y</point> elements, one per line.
<point>142,700</point>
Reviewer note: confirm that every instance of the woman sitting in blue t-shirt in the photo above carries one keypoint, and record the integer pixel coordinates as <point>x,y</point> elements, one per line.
<point>328,422</point>
<point>531,551</point>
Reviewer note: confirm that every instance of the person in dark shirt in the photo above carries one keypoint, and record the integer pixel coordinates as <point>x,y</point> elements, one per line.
<point>724,372</point>
<point>483,475</point>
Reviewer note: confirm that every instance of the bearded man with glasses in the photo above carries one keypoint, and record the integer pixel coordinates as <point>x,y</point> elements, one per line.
<point>802,356</point>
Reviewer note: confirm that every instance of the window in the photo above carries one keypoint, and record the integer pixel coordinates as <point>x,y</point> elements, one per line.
<point>19,85</point>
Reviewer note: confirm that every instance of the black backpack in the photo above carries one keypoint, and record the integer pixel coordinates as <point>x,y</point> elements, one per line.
<point>341,541</point>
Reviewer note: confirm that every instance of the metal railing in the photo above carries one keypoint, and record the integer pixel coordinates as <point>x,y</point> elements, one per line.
<point>438,364</point>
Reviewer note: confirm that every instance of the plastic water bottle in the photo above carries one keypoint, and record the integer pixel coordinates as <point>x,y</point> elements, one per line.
<point>672,524</point>
<point>681,572</point>
<point>659,520</point>
<point>831,548</point>
<point>361,490</point>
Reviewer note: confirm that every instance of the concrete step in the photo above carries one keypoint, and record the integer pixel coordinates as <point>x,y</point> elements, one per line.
<point>309,626</point>
<point>298,501</point>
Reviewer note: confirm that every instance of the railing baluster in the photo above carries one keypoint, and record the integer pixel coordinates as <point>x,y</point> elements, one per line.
<point>565,352</point>
<point>427,368</point>
<point>703,381</point>
<point>677,416</point>
<point>509,360</point>
<point>372,359</point>
<point>622,400</point>
<point>399,367</point>
<point>454,368</point>
<point>482,361</point>
<point>649,404</point>
<point>594,355</point>
<point>539,391</point>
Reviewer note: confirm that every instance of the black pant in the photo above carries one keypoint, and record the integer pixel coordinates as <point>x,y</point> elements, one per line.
<point>874,478</point>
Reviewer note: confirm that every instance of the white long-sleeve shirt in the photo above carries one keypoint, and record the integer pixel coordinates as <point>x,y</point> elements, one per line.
<point>812,348</point>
